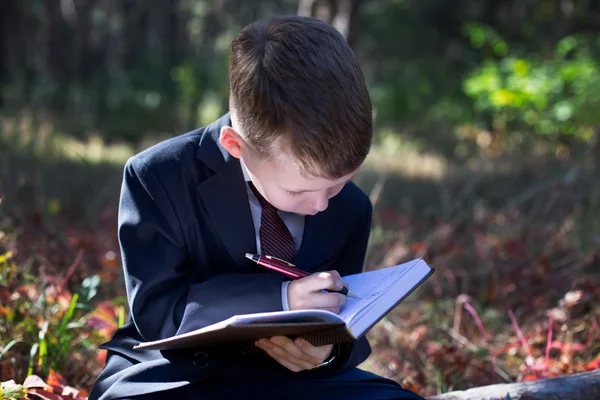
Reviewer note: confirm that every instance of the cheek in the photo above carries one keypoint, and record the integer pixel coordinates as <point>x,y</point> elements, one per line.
<point>286,202</point>
<point>335,191</point>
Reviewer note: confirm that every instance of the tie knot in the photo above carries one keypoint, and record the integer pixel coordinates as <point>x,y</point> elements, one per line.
<point>263,202</point>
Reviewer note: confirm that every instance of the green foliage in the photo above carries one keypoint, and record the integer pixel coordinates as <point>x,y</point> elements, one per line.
<point>552,95</point>
<point>10,390</point>
<point>141,71</point>
<point>41,316</point>
<point>482,36</point>
<point>51,318</point>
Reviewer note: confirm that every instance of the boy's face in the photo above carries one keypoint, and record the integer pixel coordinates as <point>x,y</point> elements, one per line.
<point>280,180</point>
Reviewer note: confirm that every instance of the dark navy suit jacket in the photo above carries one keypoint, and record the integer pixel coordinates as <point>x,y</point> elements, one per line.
<point>184,228</point>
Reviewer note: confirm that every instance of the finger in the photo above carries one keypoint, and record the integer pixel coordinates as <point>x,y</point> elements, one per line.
<point>289,365</point>
<point>295,351</point>
<point>320,353</point>
<point>335,274</point>
<point>280,354</point>
<point>324,280</point>
<point>288,344</point>
<point>339,279</point>
<point>305,361</point>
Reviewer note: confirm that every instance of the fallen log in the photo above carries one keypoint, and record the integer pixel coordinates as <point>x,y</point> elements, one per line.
<point>582,386</point>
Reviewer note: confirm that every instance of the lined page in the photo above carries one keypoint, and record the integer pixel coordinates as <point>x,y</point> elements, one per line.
<point>379,291</point>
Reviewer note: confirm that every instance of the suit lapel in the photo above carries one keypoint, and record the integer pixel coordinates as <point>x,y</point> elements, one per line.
<point>225,197</point>
<point>226,200</point>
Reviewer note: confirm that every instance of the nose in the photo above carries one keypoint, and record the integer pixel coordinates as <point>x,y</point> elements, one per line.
<point>321,203</point>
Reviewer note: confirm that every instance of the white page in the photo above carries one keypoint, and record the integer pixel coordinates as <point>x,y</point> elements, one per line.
<point>285,316</point>
<point>369,286</point>
<point>379,290</point>
<point>367,317</point>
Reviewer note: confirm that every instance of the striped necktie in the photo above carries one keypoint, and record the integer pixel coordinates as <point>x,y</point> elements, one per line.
<point>275,238</point>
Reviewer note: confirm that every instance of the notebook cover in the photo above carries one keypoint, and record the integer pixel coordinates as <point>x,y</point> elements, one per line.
<point>315,332</point>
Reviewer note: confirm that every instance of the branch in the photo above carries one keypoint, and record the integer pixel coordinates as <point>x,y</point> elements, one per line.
<point>582,386</point>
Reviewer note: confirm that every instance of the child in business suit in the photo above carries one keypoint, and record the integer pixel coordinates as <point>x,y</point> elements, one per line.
<point>271,177</point>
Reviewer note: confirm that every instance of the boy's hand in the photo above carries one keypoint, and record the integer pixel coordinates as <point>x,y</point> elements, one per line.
<point>296,355</point>
<point>307,292</point>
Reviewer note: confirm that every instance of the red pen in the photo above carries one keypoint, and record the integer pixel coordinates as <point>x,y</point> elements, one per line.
<point>289,269</point>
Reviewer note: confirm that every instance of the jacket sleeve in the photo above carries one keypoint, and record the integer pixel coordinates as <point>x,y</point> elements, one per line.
<point>165,294</point>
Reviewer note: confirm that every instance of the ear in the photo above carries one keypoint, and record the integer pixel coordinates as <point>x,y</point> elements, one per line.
<point>231,141</point>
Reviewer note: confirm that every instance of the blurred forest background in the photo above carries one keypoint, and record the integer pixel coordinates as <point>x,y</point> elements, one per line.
<point>486,164</point>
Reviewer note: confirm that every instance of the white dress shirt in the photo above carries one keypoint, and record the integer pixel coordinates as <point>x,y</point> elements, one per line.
<point>294,223</point>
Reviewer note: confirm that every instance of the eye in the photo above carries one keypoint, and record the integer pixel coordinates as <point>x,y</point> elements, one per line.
<point>294,193</point>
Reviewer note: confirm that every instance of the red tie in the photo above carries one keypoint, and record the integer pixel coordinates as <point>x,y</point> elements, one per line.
<point>275,238</point>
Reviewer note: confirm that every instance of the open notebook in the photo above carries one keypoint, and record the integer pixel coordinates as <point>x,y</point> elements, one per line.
<point>380,291</point>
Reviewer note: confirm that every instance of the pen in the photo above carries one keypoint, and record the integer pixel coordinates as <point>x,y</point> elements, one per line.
<point>289,269</point>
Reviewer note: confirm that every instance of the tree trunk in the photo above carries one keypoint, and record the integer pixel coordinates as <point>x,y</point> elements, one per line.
<point>338,13</point>
<point>582,386</point>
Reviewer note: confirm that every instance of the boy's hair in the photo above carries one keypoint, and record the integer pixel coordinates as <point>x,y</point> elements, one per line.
<point>296,78</point>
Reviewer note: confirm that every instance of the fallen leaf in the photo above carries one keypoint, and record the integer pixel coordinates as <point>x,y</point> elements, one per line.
<point>34,381</point>
<point>56,381</point>
<point>101,357</point>
<point>45,394</point>
<point>594,364</point>
<point>530,378</point>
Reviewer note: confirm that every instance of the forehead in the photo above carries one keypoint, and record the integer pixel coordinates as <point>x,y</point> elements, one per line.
<point>293,176</point>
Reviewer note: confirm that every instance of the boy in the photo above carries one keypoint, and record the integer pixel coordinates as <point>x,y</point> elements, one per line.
<point>271,177</point>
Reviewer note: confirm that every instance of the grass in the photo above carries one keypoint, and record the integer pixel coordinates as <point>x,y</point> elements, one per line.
<point>514,241</point>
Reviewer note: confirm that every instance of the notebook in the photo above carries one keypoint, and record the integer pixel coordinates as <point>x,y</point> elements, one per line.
<point>380,291</point>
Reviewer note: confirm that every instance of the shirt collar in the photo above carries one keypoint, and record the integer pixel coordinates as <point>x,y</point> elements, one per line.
<point>245,171</point>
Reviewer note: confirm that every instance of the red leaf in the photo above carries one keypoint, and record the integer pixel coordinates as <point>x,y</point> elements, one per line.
<point>107,311</point>
<point>101,357</point>
<point>529,378</point>
<point>594,364</point>
<point>56,381</point>
<point>29,291</point>
<point>4,294</point>
<point>109,260</point>
<point>104,319</point>
<point>514,248</point>
<point>44,394</point>
<point>419,248</point>
<point>97,323</point>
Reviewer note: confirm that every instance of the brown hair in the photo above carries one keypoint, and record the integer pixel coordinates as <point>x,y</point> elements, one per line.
<point>296,78</point>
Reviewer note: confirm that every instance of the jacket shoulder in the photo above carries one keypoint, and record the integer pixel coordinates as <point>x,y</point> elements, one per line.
<point>168,153</point>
